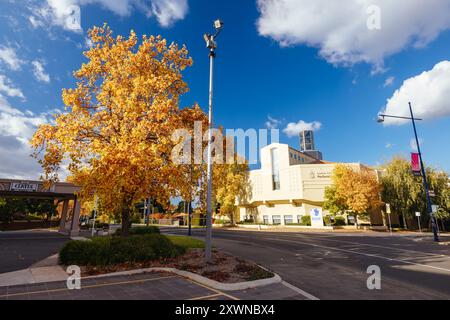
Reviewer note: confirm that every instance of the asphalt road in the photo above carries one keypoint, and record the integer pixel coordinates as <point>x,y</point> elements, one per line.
<point>20,250</point>
<point>334,265</point>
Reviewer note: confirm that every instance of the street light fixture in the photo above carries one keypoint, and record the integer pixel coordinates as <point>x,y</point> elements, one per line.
<point>381,119</point>
<point>211,44</point>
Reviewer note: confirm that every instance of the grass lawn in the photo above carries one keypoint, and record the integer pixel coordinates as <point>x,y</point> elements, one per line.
<point>185,241</point>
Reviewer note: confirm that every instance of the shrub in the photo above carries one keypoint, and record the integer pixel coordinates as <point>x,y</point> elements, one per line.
<point>114,250</point>
<point>327,221</point>
<point>339,221</point>
<point>306,220</point>
<point>140,231</point>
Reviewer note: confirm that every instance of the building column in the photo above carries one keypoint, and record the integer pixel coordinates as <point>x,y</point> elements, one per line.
<point>62,223</point>
<point>75,228</point>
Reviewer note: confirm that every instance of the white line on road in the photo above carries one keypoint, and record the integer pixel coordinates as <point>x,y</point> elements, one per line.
<point>364,254</point>
<point>300,291</point>
<point>378,246</point>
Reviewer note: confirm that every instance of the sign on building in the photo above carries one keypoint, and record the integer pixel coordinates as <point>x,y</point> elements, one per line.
<point>24,186</point>
<point>316,217</point>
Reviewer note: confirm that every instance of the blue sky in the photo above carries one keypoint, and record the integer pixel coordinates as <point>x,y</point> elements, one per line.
<point>310,61</point>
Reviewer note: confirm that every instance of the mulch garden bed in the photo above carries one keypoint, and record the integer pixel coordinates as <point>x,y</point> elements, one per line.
<point>224,268</point>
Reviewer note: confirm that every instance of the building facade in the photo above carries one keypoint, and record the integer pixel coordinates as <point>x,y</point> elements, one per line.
<point>289,185</point>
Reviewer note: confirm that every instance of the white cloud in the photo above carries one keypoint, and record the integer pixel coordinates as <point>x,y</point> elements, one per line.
<point>339,28</point>
<point>9,57</point>
<point>16,128</point>
<point>389,82</point>
<point>293,129</point>
<point>39,72</point>
<point>272,123</point>
<point>389,145</point>
<point>67,13</point>
<point>428,92</point>
<point>169,11</point>
<point>7,88</point>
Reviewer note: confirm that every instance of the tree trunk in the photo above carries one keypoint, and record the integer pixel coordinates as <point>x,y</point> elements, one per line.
<point>405,226</point>
<point>125,221</point>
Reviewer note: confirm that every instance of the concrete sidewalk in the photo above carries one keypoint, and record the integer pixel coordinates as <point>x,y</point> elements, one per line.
<point>33,275</point>
<point>46,270</point>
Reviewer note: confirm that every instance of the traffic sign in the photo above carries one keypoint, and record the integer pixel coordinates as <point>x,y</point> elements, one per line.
<point>388,208</point>
<point>418,214</point>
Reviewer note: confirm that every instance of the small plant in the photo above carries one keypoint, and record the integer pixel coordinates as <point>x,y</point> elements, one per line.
<point>339,221</point>
<point>306,220</point>
<point>139,231</point>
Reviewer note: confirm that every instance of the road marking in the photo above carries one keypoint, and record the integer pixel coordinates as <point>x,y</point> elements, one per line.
<point>214,290</point>
<point>90,286</point>
<point>207,297</point>
<point>350,251</point>
<point>300,291</point>
<point>378,246</point>
<point>364,254</point>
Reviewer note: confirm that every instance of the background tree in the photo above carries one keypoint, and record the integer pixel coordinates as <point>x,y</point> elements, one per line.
<point>406,194</point>
<point>333,203</point>
<point>440,184</point>
<point>231,185</point>
<point>10,207</point>
<point>355,191</point>
<point>116,132</point>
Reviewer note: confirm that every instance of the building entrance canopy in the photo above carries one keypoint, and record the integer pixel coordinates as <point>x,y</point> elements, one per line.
<point>61,191</point>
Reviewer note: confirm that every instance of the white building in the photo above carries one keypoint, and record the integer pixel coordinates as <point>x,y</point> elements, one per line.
<point>288,186</point>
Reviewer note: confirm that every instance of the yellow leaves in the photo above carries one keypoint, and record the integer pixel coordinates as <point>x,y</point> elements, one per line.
<point>125,92</point>
<point>359,190</point>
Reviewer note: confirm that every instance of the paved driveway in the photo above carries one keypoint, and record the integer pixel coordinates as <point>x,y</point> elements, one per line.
<point>20,250</point>
<point>147,286</point>
<point>334,265</point>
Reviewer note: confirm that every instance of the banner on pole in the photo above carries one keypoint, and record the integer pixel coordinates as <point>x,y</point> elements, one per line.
<point>415,164</point>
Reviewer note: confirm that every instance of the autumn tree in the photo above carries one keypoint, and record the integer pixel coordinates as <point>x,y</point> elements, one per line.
<point>352,190</point>
<point>115,133</point>
<point>231,185</point>
<point>401,189</point>
<point>405,192</point>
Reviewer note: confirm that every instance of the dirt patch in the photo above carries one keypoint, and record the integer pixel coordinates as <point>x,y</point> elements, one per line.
<point>224,268</point>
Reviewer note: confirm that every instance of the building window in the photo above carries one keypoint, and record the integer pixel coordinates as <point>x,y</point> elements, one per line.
<point>288,220</point>
<point>299,219</point>
<point>291,155</point>
<point>265,219</point>
<point>276,220</point>
<point>275,169</point>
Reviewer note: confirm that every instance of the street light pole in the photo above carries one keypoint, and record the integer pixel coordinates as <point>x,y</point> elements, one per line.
<point>211,45</point>
<point>381,118</point>
<point>425,182</point>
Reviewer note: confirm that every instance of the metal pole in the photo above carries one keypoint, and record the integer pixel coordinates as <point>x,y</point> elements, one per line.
<point>189,205</point>
<point>208,244</point>
<point>418,220</point>
<point>95,213</point>
<point>390,226</point>
<point>425,182</point>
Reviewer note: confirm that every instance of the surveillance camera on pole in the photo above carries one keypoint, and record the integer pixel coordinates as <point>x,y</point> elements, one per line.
<point>211,44</point>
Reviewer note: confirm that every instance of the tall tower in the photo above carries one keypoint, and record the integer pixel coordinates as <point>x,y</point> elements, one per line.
<point>307,144</point>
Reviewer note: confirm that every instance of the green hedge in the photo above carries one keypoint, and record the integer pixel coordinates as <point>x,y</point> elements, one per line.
<point>306,220</point>
<point>140,230</point>
<point>106,251</point>
<point>339,221</point>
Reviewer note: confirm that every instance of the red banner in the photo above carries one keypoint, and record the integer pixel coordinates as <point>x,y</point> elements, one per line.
<point>415,163</point>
